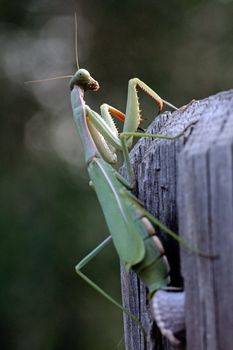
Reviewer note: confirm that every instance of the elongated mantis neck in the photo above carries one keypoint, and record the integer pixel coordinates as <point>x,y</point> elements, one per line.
<point>79,113</point>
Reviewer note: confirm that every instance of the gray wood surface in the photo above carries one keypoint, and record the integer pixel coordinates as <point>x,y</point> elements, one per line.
<point>205,197</point>
<point>194,172</point>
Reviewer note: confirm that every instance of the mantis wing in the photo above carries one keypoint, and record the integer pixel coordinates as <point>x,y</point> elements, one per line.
<point>121,213</point>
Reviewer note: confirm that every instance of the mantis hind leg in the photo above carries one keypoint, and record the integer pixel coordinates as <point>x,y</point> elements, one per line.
<point>84,262</point>
<point>183,243</point>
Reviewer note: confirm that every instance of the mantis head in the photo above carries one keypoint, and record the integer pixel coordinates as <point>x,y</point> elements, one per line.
<point>83,79</point>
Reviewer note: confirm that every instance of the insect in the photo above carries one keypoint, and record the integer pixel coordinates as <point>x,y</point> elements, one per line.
<point>130,225</point>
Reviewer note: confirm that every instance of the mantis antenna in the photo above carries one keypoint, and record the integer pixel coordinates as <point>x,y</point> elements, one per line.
<point>48,79</point>
<point>76,39</point>
<point>76,57</point>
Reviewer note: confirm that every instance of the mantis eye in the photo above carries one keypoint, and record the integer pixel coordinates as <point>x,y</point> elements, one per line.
<point>83,74</point>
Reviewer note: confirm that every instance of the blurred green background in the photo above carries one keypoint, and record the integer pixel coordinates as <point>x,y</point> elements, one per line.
<point>49,216</point>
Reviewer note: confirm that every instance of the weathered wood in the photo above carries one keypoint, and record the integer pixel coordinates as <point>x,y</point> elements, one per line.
<point>205,197</point>
<point>155,168</point>
<point>155,164</point>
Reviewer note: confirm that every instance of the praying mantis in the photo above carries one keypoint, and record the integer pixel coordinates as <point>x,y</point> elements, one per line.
<point>131,227</point>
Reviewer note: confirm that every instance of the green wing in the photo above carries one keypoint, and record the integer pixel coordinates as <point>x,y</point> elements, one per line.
<point>121,211</point>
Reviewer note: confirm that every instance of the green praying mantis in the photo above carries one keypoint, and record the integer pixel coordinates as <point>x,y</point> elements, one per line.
<point>131,227</point>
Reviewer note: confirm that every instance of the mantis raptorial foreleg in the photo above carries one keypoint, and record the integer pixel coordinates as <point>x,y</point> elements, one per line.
<point>119,142</point>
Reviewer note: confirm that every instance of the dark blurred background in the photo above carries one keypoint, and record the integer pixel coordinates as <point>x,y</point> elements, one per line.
<point>49,217</point>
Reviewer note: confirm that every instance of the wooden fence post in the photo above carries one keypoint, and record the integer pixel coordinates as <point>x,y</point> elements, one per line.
<point>193,173</point>
<point>205,197</point>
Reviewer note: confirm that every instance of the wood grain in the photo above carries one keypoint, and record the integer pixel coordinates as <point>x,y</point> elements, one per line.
<point>192,176</point>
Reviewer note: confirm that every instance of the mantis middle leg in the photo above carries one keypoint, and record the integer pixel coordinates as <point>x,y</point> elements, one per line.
<point>84,262</point>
